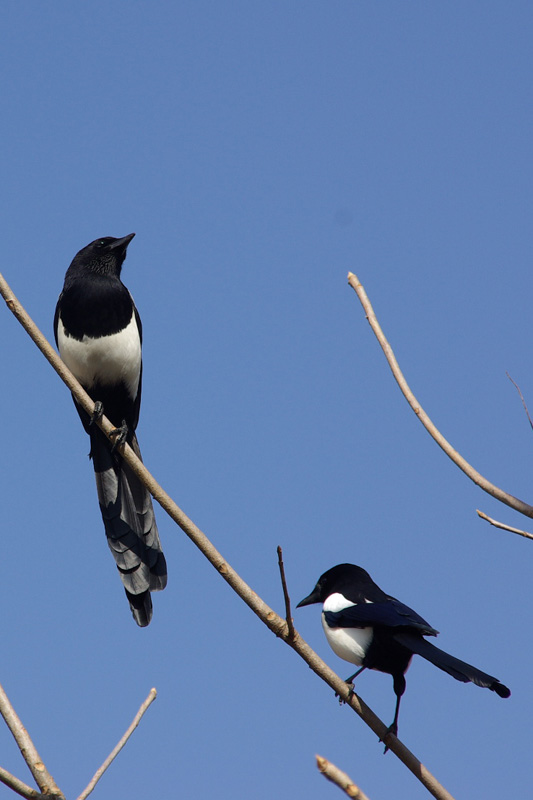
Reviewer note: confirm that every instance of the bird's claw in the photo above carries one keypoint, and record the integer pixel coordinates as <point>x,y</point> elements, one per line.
<point>391,729</point>
<point>120,435</point>
<point>351,688</point>
<point>98,412</point>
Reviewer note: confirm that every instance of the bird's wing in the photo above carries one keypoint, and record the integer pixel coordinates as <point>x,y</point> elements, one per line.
<point>391,614</point>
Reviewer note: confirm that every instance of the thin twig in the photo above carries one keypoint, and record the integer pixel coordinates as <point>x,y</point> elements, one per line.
<point>19,786</point>
<point>42,777</point>
<point>504,527</point>
<point>475,476</point>
<point>340,778</point>
<point>114,753</point>
<point>517,387</point>
<point>269,617</point>
<point>288,614</point>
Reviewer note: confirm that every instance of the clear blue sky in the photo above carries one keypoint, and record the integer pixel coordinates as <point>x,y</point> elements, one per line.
<point>260,151</point>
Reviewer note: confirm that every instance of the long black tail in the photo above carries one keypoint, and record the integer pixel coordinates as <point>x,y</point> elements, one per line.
<point>459,670</point>
<point>130,526</point>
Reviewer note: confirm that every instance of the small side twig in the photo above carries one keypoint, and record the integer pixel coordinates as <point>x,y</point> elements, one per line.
<point>340,778</point>
<point>114,753</point>
<point>503,526</point>
<point>288,614</point>
<point>42,777</point>
<point>517,387</point>
<point>457,458</point>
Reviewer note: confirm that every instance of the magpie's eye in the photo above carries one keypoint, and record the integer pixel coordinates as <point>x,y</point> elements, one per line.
<point>101,242</point>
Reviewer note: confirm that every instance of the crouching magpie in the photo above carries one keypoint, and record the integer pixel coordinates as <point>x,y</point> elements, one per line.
<point>98,333</point>
<point>373,630</point>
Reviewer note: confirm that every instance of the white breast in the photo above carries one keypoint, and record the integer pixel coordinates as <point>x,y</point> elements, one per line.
<point>351,644</point>
<point>108,360</point>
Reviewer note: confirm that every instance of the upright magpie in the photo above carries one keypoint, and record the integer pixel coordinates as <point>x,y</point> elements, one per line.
<point>99,334</point>
<point>373,630</point>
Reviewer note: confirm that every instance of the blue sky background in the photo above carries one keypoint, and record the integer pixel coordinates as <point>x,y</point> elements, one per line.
<point>260,151</point>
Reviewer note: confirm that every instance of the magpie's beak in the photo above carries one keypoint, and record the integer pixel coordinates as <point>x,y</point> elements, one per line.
<point>121,244</point>
<point>314,597</point>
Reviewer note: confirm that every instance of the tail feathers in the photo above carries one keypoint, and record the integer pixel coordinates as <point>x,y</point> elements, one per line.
<point>459,670</point>
<point>141,607</point>
<point>130,526</point>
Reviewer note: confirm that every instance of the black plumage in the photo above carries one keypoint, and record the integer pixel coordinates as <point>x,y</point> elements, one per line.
<point>373,630</point>
<point>99,335</point>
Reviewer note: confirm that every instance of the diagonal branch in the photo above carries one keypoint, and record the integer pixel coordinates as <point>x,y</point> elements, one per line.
<point>42,777</point>
<point>269,617</point>
<point>19,786</point>
<point>469,471</point>
<point>116,750</point>
<point>340,778</point>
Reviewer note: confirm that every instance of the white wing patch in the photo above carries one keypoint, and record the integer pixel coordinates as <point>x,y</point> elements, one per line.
<point>351,644</point>
<point>108,360</point>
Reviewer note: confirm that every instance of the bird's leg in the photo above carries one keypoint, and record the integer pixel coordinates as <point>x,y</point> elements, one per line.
<point>98,412</point>
<point>120,435</point>
<point>354,676</point>
<point>393,727</point>
<point>350,681</point>
<point>399,689</point>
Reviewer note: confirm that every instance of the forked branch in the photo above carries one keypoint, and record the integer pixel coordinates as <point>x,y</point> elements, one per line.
<point>42,777</point>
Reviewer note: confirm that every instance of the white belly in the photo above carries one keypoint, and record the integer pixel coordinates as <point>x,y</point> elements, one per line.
<point>108,360</point>
<point>351,644</point>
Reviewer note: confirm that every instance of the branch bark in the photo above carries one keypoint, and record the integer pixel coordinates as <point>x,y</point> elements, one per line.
<point>269,617</point>
<point>42,777</point>
<point>502,526</point>
<point>470,472</point>
<point>19,786</point>
<point>340,778</point>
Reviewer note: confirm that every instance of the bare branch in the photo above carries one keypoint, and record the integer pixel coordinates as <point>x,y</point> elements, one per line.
<point>469,471</point>
<point>517,387</point>
<point>114,753</point>
<point>288,615</point>
<point>42,777</point>
<point>269,617</point>
<point>504,527</point>
<point>343,781</point>
<point>19,786</point>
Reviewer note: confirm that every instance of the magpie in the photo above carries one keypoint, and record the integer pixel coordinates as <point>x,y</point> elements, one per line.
<point>373,630</point>
<point>98,333</point>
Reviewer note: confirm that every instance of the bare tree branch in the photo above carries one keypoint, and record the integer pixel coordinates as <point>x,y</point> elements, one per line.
<point>114,753</point>
<point>343,781</point>
<point>502,526</point>
<point>42,777</point>
<point>517,387</point>
<point>269,617</point>
<point>288,614</point>
<point>469,471</point>
<point>19,786</point>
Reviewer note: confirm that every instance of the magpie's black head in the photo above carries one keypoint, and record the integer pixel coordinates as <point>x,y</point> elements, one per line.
<point>104,256</point>
<point>346,579</point>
